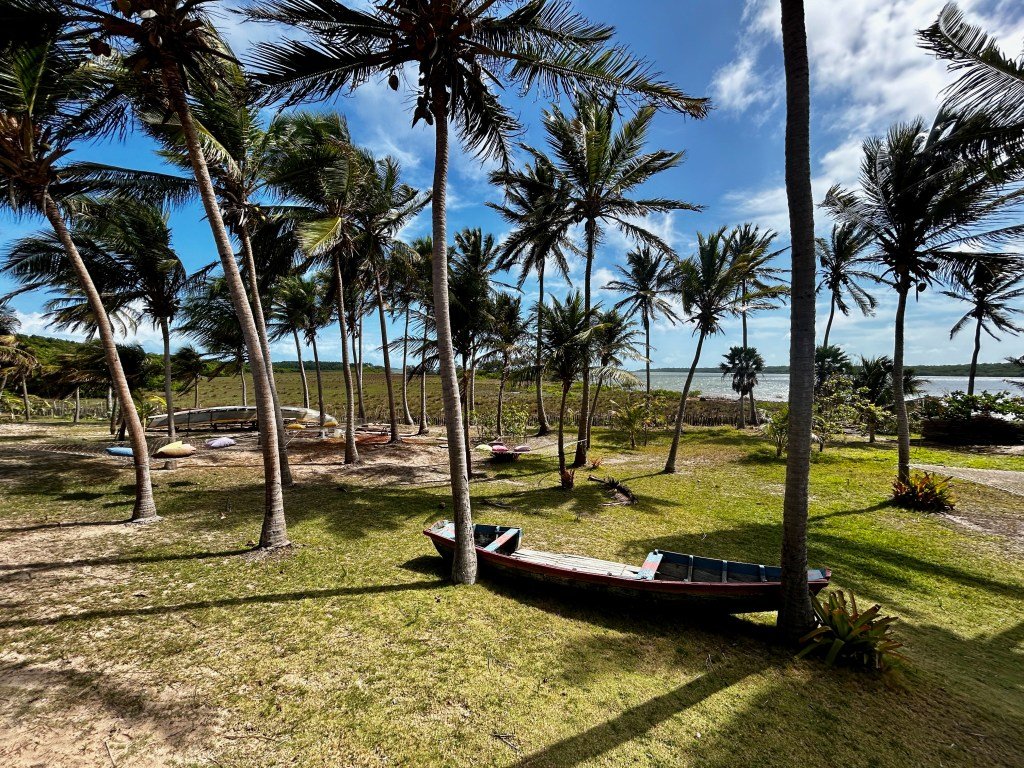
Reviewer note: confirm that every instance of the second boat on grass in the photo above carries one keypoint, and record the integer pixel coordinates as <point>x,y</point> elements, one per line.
<point>704,583</point>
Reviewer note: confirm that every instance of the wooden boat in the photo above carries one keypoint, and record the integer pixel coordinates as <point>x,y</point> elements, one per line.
<point>243,416</point>
<point>705,583</point>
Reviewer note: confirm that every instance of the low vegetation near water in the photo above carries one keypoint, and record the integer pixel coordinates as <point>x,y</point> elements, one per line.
<point>354,649</point>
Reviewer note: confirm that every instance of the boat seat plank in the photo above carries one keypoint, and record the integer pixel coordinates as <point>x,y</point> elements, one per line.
<point>650,566</point>
<point>578,563</point>
<point>495,545</point>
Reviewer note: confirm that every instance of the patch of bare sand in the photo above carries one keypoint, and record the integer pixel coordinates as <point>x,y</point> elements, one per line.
<point>66,713</point>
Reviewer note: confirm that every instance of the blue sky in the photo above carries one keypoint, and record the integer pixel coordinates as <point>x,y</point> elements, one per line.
<point>866,73</point>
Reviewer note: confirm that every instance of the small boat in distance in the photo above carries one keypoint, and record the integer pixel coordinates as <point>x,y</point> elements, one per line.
<point>703,583</point>
<point>243,416</point>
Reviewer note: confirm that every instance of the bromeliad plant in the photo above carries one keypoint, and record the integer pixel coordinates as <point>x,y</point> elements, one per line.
<point>924,492</point>
<point>848,636</point>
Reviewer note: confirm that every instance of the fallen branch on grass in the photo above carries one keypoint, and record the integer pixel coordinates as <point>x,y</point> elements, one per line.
<point>617,489</point>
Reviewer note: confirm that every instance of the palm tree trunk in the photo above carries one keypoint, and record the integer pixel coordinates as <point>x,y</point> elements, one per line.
<point>501,398</point>
<point>319,385</point>
<point>974,358</point>
<point>583,436</point>
<point>165,333</point>
<point>742,424</point>
<point>464,565</point>
<point>78,404</point>
<point>392,410</point>
<point>24,399</point>
<point>405,370</point>
<point>110,400</point>
<point>424,427</point>
<point>145,507</point>
<point>542,417</point>
<point>472,388</point>
<point>261,331</point>
<point>195,399</point>
<point>302,369</point>
<point>647,353</point>
<point>831,317</point>
<point>351,452</point>
<point>899,401</point>
<point>561,434</point>
<point>465,416</point>
<point>796,616</point>
<point>670,463</point>
<point>357,339</point>
<point>753,409</point>
<point>593,403</point>
<point>274,531</point>
<point>245,390</point>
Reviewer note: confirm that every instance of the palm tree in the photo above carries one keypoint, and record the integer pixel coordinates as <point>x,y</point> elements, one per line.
<point>874,379</point>
<point>744,365</point>
<point>461,51</point>
<point>928,205</point>
<point>189,365</point>
<point>168,47</point>
<point>567,331</point>
<point>317,168</point>
<point>14,358</point>
<point>471,311</point>
<point>761,286</point>
<point>707,283</point>
<point>990,289</point>
<point>388,205</point>
<point>1017,361</point>
<point>796,616</point>
<point>294,305</point>
<point>424,248</point>
<point>507,338</point>
<point>839,257</point>
<point>646,280</point>
<point>602,165</point>
<point>207,318</point>
<point>614,341</point>
<point>534,196</point>
<point>51,97</point>
<point>828,362</point>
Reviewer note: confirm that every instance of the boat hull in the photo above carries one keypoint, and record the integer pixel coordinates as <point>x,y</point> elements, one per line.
<point>725,597</point>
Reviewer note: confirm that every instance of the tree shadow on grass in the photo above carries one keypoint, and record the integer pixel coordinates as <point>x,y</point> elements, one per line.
<point>228,602</point>
<point>127,560</point>
<point>62,524</point>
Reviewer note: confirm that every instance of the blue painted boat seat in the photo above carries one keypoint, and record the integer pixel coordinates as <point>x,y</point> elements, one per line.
<point>650,566</point>
<point>502,539</point>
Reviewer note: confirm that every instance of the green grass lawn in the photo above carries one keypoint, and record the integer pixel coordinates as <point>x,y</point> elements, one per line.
<point>353,649</point>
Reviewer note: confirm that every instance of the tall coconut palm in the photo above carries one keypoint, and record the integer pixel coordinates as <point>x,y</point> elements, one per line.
<point>14,358</point>
<point>322,174</point>
<point>646,280</point>
<point>535,196</point>
<point>507,338</point>
<point>294,304</point>
<point>839,259</point>
<point>206,317</point>
<point>874,378</point>
<point>603,162</point>
<point>744,365</point>
<point>52,97</point>
<point>424,248</point>
<point>567,332</point>
<point>796,616</point>
<point>761,287</point>
<point>388,205</point>
<point>167,48</point>
<point>462,52</point>
<point>990,288</point>
<point>614,341</point>
<point>404,272</point>
<point>708,284</point>
<point>932,208</point>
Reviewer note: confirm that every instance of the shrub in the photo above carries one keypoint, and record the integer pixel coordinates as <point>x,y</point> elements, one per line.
<point>776,429</point>
<point>568,478</point>
<point>847,636</point>
<point>924,492</point>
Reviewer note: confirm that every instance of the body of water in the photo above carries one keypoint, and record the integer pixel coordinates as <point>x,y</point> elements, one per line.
<point>775,386</point>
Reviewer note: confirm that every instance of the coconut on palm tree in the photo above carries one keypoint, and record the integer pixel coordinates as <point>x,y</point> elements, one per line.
<point>991,289</point>
<point>840,259</point>
<point>928,204</point>
<point>708,284</point>
<point>461,52</point>
<point>646,280</point>
<point>535,195</point>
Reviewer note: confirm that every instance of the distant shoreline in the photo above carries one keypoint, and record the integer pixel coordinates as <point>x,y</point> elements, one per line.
<point>984,369</point>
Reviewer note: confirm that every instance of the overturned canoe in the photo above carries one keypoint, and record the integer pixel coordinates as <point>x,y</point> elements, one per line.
<point>706,583</point>
<point>238,416</point>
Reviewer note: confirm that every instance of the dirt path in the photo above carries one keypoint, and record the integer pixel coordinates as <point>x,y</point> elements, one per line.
<point>1004,479</point>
